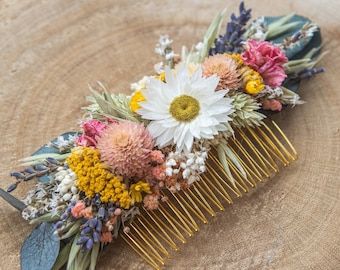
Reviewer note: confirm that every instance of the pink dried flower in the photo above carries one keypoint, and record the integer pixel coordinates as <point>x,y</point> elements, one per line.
<point>117,211</point>
<point>272,104</point>
<point>126,148</point>
<point>112,220</point>
<point>91,130</point>
<point>158,172</point>
<point>267,59</point>
<point>157,156</point>
<point>225,68</point>
<point>77,209</point>
<point>151,201</point>
<point>106,237</point>
<point>85,141</point>
<point>171,181</point>
<point>87,213</point>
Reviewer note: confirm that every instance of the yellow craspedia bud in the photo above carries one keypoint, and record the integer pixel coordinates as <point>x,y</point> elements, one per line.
<point>236,57</point>
<point>252,80</point>
<point>137,189</point>
<point>136,98</point>
<point>254,87</point>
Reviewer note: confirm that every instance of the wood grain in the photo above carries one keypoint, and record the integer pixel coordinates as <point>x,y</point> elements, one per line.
<point>51,50</point>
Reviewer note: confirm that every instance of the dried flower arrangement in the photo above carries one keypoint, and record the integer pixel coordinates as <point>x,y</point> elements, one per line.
<point>150,166</point>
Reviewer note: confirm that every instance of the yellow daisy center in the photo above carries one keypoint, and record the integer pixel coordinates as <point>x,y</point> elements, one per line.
<point>184,108</point>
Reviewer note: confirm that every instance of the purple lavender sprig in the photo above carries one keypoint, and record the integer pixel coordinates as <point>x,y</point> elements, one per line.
<point>31,172</point>
<point>306,73</point>
<point>232,40</point>
<point>310,72</point>
<point>90,233</point>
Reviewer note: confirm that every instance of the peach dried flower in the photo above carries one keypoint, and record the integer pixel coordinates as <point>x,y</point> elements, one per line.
<point>76,211</point>
<point>225,68</point>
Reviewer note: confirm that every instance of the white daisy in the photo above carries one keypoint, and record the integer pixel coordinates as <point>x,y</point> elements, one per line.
<point>184,108</point>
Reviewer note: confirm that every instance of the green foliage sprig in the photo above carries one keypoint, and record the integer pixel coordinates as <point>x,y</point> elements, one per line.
<point>246,111</point>
<point>108,105</point>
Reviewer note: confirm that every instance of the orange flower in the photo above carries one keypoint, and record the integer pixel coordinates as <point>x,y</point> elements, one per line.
<point>76,211</point>
<point>87,213</point>
<point>106,237</point>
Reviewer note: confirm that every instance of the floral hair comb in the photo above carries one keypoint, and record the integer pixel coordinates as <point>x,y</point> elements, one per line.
<point>152,166</point>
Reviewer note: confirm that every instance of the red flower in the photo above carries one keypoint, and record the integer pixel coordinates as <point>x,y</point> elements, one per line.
<point>267,59</point>
<point>91,130</point>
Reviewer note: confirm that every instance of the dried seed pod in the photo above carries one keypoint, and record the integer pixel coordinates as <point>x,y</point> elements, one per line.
<point>12,187</point>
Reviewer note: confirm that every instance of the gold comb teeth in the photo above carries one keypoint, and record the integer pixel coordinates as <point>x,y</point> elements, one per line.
<point>260,152</point>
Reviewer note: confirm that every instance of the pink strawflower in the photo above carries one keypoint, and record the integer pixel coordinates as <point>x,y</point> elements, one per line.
<point>158,172</point>
<point>77,209</point>
<point>267,59</point>
<point>126,148</point>
<point>157,156</point>
<point>151,201</point>
<point>92,129</point>
<point>225,68</point>
<point>272,104</point>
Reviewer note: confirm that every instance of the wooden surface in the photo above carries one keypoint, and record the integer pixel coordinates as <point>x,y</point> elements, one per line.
<point>51,50</point>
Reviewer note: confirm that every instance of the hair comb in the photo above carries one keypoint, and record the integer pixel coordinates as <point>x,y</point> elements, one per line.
<point>153,166</point>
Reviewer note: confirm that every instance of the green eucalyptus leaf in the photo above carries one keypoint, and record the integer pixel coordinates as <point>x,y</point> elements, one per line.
<point>62,257</point>
<point>305,45</point>
<point>48,217</point>
<point>309,47</point>
<point>72,231</point>
<point>94,256</point>
<point>73,253</point>
<point>82,260</point>
<point>40,249</point>
<point>275,23</point>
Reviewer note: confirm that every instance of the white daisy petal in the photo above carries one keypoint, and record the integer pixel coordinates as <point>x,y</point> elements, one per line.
<point>155,129</point>
<point>222,118</point>
<point>166,138</point>
<point>196,75</point>
<point>170,76</point>
<point>221,127</point>
<point>179,133</point>
<point>195,129</point>
<point>188,141</point>
<point>152,115</point>
<point>169,124</point>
